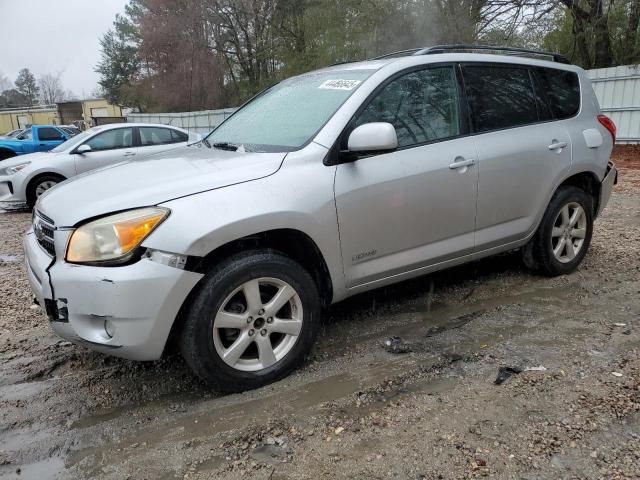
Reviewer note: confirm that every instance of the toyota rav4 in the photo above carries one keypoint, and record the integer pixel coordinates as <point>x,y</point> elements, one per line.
<point>328,184</point>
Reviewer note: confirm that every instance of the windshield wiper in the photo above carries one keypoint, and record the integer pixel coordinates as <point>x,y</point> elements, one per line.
<point>206,142</point>
<point>225,146</point>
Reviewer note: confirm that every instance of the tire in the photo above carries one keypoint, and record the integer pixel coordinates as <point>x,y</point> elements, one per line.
<point>221,296</point>
<point>33,189</point>
<point>558,246</point>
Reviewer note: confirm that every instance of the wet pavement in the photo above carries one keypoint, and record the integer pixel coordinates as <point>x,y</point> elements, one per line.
<point>355,410</point>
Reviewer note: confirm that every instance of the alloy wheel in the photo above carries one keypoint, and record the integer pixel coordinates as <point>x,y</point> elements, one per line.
<point>568,232</point>
<point>44,186</point>
<point>258,324</point>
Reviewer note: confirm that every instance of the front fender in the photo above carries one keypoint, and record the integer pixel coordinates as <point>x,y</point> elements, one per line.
<point>298,197</point>
<point>17,149</point>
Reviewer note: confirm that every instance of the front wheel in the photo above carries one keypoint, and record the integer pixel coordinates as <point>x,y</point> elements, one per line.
<point>40,185</point>
<point>252,321</point>
<point>564,235</point>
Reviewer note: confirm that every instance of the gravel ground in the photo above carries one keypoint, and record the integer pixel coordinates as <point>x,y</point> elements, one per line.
<point>355,410</point>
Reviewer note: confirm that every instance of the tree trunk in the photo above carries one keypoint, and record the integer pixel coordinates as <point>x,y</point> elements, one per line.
<point>631,34</point>
<point>603,55</point>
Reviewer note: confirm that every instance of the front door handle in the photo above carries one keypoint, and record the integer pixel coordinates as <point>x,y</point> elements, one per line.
<point>462,163</point>
<point>129,154</point>
<point>557,145</point>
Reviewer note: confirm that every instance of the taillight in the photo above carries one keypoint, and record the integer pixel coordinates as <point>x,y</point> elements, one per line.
<point>607,123</point>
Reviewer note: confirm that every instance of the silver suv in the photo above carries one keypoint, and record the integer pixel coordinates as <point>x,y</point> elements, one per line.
<point>326,185</point>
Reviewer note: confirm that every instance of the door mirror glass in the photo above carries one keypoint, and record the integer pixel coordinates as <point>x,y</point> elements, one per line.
<point>83,149</point>
<point>373,137</point>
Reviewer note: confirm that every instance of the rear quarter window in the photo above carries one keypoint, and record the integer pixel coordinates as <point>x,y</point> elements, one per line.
<point>563,91</point>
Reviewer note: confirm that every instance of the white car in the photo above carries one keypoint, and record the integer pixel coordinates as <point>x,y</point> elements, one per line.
<point>23,179</point>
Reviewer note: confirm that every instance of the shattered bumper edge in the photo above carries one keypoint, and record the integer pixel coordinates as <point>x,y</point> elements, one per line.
<point>137,302</point>
<point>610,179</point>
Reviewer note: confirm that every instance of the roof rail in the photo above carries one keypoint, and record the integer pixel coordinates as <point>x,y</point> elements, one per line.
<point>400,53</point>
<point>521,52</point>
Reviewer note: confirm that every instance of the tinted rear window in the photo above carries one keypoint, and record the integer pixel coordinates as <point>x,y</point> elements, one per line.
<point>179,136</point>
<point>500,97</point>
<point>563,91</point>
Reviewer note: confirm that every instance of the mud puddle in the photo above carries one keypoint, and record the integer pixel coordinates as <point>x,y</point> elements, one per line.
<point>301,398</point>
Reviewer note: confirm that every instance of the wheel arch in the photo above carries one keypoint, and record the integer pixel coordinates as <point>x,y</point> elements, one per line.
<point>587,181</point>
<point>32,181</point>
<point>7,153</point>
<point>293,243</point>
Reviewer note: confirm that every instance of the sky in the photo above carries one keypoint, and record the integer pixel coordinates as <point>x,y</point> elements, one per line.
<point>52,36</point>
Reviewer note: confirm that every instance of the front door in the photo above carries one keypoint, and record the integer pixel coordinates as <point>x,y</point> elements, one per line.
<point>48,138</point>
<point>107,148</point>
<point>416,206</point>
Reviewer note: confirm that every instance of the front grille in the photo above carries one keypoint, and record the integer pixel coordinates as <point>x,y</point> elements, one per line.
<point>44,228</point>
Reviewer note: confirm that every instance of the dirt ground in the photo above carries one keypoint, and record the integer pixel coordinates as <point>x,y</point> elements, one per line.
<point>355,410</point>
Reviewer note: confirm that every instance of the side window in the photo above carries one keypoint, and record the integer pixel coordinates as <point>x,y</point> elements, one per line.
<point>421,105</point>
<point>155,136</point>
<point>499,97</point>
<point>48,133</point>
<point>112,139</point>
<point>563,91</point>
<point>177,136</point>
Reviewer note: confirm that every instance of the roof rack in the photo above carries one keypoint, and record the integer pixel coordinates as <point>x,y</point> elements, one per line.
<point>520,52</point>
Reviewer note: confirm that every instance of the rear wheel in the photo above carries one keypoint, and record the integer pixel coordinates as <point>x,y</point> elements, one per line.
<point>39,185</point>
<point>563,237</point>
<point>253,320</point>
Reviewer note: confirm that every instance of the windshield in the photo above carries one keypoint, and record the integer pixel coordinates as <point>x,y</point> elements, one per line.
<point>73,141</point>
<point>289,114</point>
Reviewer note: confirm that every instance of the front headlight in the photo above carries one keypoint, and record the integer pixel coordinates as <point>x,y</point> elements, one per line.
<point>13,169</point>
<point>113,238</point>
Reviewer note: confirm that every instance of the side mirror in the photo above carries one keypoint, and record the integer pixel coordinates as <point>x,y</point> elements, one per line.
<point>83,149</point>
<point>373,137</point>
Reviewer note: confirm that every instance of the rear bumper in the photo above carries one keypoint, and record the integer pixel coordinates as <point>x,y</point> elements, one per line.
<point>123,311</point>
<point>610,179</point>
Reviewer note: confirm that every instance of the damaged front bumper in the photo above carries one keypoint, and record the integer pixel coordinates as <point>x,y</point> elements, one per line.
<point>125,311</point>
<point>610,179</point>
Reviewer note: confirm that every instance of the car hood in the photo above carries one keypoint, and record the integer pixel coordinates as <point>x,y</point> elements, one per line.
<point>160,178</point>
<point>29,157</point>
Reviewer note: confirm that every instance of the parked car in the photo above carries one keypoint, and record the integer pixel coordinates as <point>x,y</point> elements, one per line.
<point>326,185</point>
<point>13,133</point>
<point>38,138</point>
<point>70,129</point>
<point>25,178</point>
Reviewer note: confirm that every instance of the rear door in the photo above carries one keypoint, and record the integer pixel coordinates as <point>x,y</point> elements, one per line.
<point>522,151</point>
<point>48,138</point>
<point>108,147</point>
<point>159,139</point>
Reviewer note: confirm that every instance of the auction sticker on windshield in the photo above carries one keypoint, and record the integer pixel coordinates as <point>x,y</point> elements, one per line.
<point>340,84</point>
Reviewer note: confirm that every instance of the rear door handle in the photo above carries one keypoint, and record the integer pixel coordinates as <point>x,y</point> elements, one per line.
<point>129,154</point>
<point>462,163</point>
<point>557,145</point>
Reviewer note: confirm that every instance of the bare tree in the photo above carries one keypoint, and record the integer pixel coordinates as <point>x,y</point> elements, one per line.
<point>51,90</point>
<point>5,83</point>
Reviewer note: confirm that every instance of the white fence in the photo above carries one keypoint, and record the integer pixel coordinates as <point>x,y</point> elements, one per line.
<point>201,122</point>
<point>618,92</point>
<point>617,89</point>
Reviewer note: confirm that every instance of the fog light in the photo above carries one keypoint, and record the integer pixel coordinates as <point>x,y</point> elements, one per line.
<point>109,328</point>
